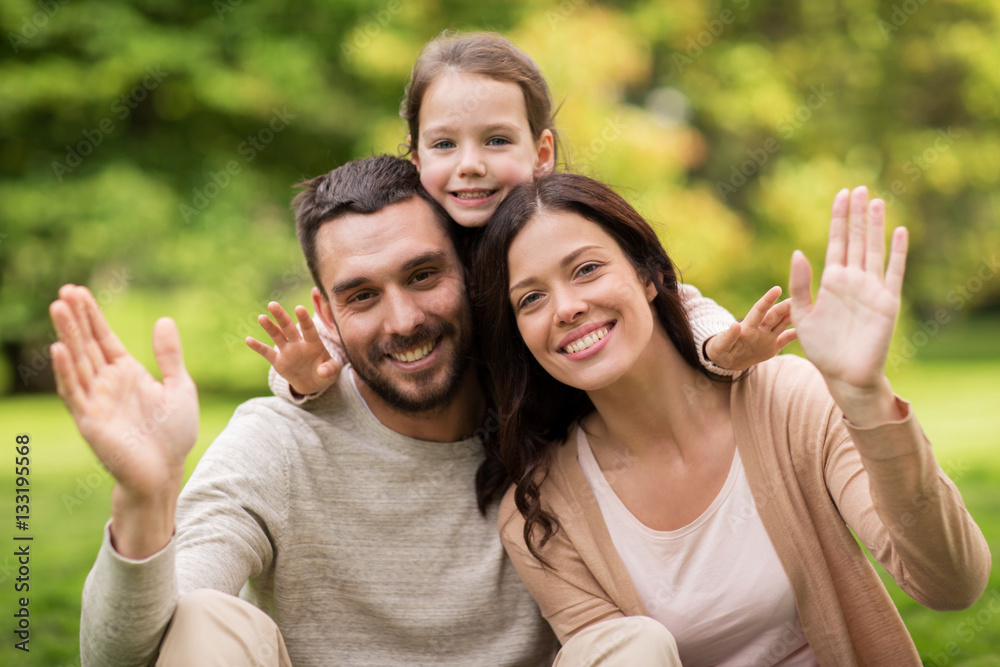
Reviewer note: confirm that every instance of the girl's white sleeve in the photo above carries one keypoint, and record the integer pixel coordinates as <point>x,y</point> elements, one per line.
<point>707,319</point>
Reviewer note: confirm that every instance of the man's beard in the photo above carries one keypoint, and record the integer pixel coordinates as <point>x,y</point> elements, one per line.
<point>430,389</point>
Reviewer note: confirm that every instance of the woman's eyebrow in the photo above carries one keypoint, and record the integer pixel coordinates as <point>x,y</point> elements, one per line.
<point>567,260</point>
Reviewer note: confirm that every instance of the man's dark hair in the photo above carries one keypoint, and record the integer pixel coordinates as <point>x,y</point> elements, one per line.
<point>360,186</point>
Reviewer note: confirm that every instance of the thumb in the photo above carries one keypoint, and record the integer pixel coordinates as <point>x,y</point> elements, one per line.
<point>167,348</point>
<point>799,284</point>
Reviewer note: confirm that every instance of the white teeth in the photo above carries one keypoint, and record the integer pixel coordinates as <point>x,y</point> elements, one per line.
<point>479,194</point>
<point>413,355</point>
<point>588,340</point>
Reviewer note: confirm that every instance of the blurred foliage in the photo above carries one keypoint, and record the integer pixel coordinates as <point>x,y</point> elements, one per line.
<point>148,149</point>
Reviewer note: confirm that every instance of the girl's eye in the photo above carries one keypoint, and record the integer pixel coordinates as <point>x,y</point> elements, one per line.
<point>498,141</point>
<point>444,143</point>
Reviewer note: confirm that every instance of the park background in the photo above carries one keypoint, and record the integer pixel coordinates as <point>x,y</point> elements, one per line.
<point>148,150</point>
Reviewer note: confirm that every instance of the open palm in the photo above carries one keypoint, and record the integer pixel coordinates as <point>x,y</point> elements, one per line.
<point>846,332</point>
<point>141,429</point>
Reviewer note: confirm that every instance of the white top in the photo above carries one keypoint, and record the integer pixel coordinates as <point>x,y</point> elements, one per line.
<point>716,584</point>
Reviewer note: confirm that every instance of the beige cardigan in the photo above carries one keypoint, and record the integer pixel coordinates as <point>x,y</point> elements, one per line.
<point>809,472</point>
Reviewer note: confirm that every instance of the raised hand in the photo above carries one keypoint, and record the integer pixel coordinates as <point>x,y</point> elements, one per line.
<point>847,330</point>
<point>299,354</point>
<point>141,429</point>
<point>760,336</point>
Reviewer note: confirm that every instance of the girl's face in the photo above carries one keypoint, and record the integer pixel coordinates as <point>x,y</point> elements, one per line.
<point>475,145</point>
<point>580,306</point>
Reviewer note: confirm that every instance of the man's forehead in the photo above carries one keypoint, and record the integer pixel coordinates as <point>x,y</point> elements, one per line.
<point>381,241</point>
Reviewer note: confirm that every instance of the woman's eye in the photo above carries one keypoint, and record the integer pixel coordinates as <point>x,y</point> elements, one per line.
<point>498,141</point>
<point>588,269</point>
<point>528,299</point>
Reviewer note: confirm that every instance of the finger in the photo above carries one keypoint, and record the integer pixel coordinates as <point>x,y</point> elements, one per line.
<point>84,305</point>
<point>64,316</point>
<point>856,226</point>
<point>309,332</point>
<point>799,284</point>
<point>329,368</point>
<point>284,321</point>
<point>786,337</point>
<point>167,349</point>
<point>875,247</point>
<point>761,308</point>
<point>67,382</point>
<point>897,261</point>
<point>109,344</point>
<point>263,350</point>
<point>836,248</point>
<point>272,330</point>
<point>728,338</point>
<point>782,320</point>
<point>777,313</point>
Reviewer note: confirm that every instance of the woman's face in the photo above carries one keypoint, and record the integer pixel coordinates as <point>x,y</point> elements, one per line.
<point>581,308</point>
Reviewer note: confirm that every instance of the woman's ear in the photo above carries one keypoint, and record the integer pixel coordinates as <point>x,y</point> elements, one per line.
<point>545,161</point>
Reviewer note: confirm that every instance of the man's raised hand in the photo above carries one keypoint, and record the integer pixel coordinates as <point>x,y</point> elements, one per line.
<point>140,428</point>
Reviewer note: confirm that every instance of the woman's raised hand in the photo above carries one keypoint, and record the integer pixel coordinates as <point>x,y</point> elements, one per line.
<point>846,332</point>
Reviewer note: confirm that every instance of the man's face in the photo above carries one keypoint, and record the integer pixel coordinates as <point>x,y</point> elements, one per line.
<point>397,295</point>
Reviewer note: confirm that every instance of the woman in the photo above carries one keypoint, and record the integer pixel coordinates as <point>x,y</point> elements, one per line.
<point>645,488</point>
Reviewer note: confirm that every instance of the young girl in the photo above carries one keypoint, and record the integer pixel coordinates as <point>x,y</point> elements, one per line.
<point>480,122</point>
<point>722,510</point>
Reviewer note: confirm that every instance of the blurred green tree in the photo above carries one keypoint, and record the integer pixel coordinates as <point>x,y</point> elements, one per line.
<point>148,149</point>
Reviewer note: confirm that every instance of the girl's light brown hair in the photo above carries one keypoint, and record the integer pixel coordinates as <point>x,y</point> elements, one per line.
<point>484,53</point>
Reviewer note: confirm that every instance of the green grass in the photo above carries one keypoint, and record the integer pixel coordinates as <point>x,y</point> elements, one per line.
<point>956,402</point>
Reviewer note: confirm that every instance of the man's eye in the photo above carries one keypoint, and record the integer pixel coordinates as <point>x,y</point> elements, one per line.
<point>362,296</point>
<point>422,276</point>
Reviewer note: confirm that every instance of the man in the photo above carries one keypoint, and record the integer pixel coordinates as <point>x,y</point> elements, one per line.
<point>352,522</point>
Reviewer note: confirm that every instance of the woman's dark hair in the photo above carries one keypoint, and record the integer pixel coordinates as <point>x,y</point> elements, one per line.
<point>535,409</point>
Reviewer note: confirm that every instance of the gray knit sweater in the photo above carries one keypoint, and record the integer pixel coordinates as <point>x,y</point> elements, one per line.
<point>365,546</point>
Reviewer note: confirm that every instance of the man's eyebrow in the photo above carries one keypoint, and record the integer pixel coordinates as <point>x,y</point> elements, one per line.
<point>429,257</point>
<point>567,260</point>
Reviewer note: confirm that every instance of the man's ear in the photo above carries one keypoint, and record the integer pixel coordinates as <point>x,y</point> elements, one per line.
<point>321,306</point>
<point>414,157</point>
<point>545,161</point>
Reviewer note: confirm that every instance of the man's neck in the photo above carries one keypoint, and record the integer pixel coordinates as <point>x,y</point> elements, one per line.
<point>455,421</point>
